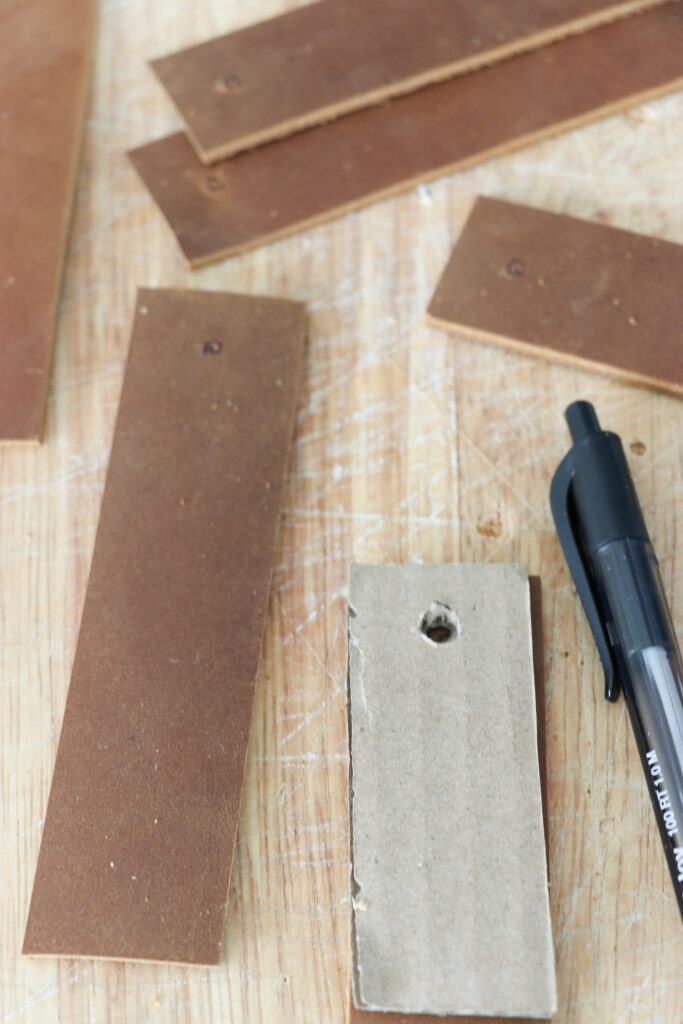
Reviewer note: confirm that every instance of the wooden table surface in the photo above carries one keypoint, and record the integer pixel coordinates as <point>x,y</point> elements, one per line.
<point>410,445</point>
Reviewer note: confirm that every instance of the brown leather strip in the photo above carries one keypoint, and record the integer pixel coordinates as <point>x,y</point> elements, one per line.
<point>325,59</point>
<point>568,290</point>
<point>45,61</point>
<point>140,829</point>
<point>316,175</point>
<point>357,1016</point>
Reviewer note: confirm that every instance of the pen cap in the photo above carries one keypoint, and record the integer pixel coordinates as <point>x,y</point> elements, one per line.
<point>603,499</point>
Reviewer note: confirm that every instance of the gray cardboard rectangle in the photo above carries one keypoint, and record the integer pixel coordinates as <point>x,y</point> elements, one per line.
<point>449,874</point>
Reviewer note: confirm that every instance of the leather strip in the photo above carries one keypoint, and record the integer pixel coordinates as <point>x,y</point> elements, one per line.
<point>568,290</point>
<point>320,61</point>
<point>319,174</point>
<point>45,61</point>
<point>140,829</point>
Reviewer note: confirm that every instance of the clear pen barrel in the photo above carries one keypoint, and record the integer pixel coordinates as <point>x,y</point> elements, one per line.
<point>651,673</point>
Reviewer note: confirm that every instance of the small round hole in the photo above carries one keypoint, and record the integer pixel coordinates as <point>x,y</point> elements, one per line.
<point>439,634</point>
<point>212,348</point>
<point>227,84</point>
<point>516,268</point>
<point>214,183</point>
<point>439,624</point>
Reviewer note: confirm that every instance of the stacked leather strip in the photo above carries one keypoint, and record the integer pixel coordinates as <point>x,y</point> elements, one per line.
<point>465,82</point>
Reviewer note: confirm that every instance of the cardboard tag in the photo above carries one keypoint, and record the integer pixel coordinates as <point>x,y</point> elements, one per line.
<point>449,876</point>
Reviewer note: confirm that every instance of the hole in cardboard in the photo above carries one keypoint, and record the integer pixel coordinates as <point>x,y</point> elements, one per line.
<point>439,624</point>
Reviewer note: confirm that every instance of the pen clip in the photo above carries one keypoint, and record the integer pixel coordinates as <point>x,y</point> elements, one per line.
<point>560,500</point>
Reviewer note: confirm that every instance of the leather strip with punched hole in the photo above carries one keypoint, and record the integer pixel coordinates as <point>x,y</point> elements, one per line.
<point>330,58</point>
<point>316,175</point>
<point>569,290</point>
<point>141,823</point>
<point>357,1016</point>
<point>45,61</point>
<point>450,899</point>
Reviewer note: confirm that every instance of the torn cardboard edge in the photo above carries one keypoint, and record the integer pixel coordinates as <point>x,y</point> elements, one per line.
<point>382,624</point>
<point>229,90</point>
<point>572,291</point>
<point>139,835</point>
<point>267,194</point>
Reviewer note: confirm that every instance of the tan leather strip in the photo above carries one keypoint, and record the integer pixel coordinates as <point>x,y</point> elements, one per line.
<point>325,59</point>
<point>45,58</point>
<point>317,175</point>
<point>357,1016</point>
<point>568,290</point>
<point>140,829</point>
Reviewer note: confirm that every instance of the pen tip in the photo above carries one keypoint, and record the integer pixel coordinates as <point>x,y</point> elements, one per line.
<point>582,421</point>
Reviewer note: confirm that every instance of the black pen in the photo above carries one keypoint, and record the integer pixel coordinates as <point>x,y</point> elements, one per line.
<point>602,531</point>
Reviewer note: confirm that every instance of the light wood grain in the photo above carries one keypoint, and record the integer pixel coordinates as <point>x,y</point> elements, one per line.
<point>410,444</point>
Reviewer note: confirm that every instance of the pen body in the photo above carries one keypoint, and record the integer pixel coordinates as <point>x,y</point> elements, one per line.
<point>609,553</point>
<point>648,658</point>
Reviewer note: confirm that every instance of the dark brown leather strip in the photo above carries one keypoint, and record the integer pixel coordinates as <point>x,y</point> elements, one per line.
<point>568,290</point>
<point>317,175</point>
<point>140,830</point>
<point>325,59</point>
<point>357,1016</point>
<point>45,58</point>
